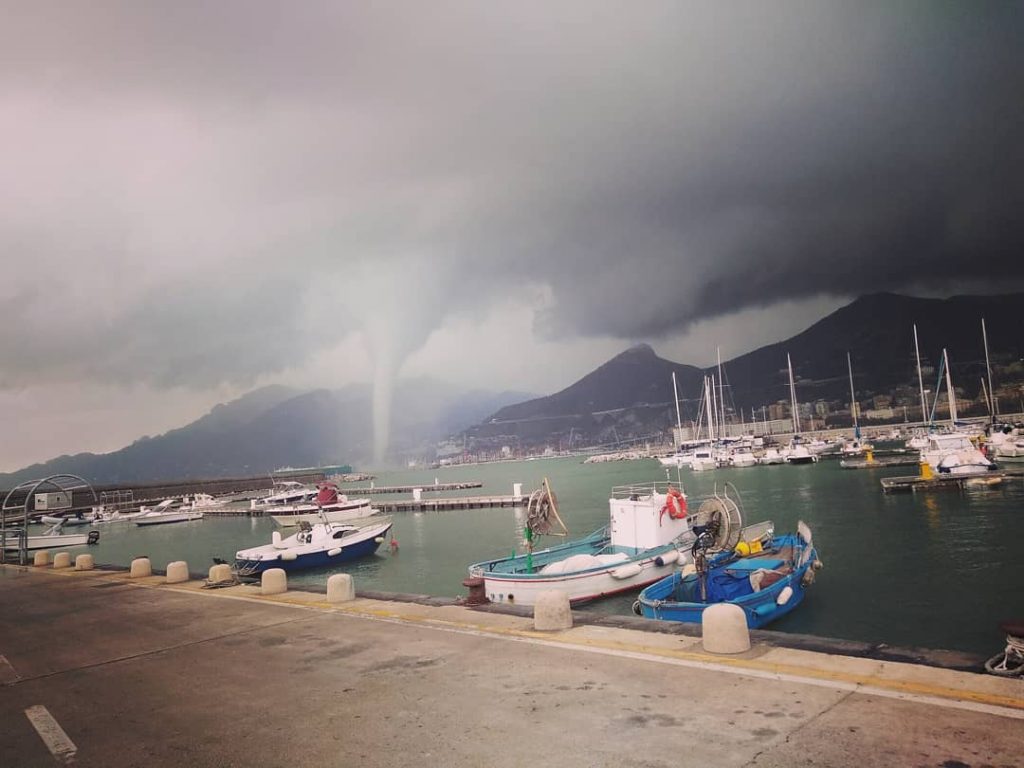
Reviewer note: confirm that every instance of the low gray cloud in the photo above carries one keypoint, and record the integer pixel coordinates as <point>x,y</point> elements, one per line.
<point>205,193</point>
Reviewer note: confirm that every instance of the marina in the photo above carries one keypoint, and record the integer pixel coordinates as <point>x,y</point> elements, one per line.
<point>964,540</point>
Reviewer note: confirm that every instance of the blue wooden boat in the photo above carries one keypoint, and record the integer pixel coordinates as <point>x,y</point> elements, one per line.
<point>767,583</point>
<point>314,546</point>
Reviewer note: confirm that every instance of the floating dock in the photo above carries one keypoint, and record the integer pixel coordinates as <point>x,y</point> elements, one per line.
<point>887,461</point>
<point>915,483</point>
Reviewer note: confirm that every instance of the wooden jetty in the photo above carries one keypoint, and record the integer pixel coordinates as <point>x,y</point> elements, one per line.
<point>425,487</point>
<point>401,505</point>
<point>455,502</point>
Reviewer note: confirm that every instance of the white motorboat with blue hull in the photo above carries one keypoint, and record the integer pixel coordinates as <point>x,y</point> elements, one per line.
<point>317,546</point>
<point>767,583</point>
<point>647,536</point>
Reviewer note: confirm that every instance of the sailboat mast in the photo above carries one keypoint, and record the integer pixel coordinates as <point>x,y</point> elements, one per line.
<point>679,419</point>
<point>714,405</point>
<point>994,408</point>
<point>949,391</point>
<point>707,402</point>
<point>853,396</point>
<point>920,379</point>
<point>792,397</point>
<point>721,386</point>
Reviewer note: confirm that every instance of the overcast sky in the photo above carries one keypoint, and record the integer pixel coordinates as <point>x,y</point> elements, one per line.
<point>200,198</point>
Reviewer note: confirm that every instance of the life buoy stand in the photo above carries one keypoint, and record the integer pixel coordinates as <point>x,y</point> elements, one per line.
<point>675,505</point>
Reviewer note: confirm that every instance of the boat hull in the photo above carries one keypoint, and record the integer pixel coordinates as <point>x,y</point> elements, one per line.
<point>48,542</point>
<point>320,559</point>
<point>676,597</point>
<point>169,518</point>
<point>625,575</point>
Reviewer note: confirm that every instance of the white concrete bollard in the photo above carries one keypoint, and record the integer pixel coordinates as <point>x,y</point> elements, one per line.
<point>62,560</point>
<point>42,557</point>
<point>141,568</point>
<point>177,572</point>
<point>552,611</point>
<point>219,573</point>
<point>724,628</point>
<point>340,588</point>
<point>517,490</point>
<point>417,494</point>
<point>274,581</point>
<point>84,563</point>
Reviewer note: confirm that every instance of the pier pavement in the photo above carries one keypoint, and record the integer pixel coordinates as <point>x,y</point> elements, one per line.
<point>118,672</point>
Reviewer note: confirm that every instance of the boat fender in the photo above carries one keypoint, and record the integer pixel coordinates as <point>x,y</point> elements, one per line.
<point>636,608</point>
<point>379,540</point>
<point>667,558</point>
<point>627,571</point>
<point>334,552</point>
<point>288,555</point>
<point>784,596</point>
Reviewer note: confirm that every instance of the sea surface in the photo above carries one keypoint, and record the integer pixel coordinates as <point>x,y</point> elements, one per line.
<point>937,569</point>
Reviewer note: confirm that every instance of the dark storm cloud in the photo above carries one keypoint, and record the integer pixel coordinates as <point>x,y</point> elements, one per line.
<point>222,189</point>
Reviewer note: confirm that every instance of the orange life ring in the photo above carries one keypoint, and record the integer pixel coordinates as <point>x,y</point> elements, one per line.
<point>675,505</point>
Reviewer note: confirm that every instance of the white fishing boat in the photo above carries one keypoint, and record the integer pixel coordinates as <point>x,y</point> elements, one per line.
<point>771,456</point>
<point>647,537</point>
<point>71,521</point>
<point>335,506</point>
<point>1007,443</point>
<point>800,454</point>
<point>742,457</point>
<point>180,515</point>
<point>356,509</point>
<point>51,538</point>
<point>285,492</point>
<point>953,453</point>
<point>314,546</point>
<point>704,460</point>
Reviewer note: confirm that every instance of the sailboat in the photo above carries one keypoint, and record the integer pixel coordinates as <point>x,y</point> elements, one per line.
<point>953,452</point>
<point>857,446</point>
<point>799,452</point>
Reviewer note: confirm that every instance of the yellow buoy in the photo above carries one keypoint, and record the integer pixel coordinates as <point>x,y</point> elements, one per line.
<point>926,471</point>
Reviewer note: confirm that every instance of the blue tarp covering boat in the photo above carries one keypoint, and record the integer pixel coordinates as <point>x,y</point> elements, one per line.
<point>766,584</point>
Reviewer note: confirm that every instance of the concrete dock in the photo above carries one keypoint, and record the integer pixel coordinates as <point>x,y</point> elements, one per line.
<point>97,669</point>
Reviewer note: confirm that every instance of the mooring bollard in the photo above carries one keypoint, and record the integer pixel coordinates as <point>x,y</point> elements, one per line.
<point>218,573</point>
<point>552,611</point>
<point>177,572</point>
<point>84,563</point>
<point>41,558</point>
<point>274,581</point>
<point>724,629</point>
<point>340,588</point>
<point>141,568</point>
<point>62,560</point>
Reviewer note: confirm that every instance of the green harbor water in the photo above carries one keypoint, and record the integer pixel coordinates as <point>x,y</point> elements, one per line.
<point>935,570</point>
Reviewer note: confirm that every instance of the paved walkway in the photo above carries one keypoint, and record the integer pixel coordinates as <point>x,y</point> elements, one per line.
<point>116,673</point>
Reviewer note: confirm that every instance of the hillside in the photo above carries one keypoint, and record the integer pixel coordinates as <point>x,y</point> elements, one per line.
<point>877,330</point>
<point>277,426</point>
<point>630,396</point>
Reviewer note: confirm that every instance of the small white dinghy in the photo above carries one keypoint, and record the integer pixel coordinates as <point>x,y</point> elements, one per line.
<point>51,538</point>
